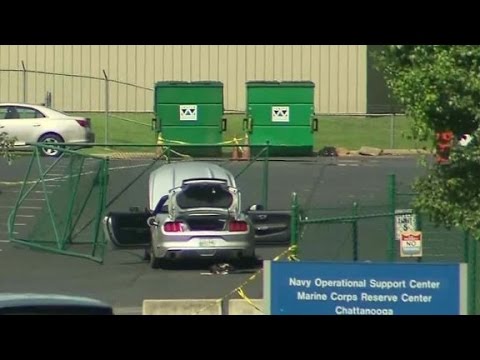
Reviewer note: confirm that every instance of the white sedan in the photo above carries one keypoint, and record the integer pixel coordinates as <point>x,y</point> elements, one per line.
<point>39,124</point>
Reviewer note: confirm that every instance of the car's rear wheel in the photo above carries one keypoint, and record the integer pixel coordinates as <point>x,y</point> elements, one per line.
<point>155,263</point>
<point>51,139</point>
<point>146,255</point>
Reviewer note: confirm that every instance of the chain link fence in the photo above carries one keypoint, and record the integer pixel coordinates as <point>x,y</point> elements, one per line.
<point>370,232</point>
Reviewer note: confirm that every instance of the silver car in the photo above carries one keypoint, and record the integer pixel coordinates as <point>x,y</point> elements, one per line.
<point>194,212</point>
<point>36,124</point>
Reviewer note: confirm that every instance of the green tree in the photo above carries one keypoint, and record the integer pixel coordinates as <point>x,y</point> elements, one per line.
<point>439,87</point>
<point>6,146</point>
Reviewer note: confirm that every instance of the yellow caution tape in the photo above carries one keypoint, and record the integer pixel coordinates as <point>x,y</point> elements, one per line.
<point>167,142</point>
<point>293,258</point>
<point>245,297</point>
<point>163,141</point>
<point>239,289</point>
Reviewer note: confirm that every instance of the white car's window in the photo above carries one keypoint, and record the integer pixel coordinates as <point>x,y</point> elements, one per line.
<point>3,112</point>
<point>29,113</point>
<point>8,112</point>
<point>18,112</point>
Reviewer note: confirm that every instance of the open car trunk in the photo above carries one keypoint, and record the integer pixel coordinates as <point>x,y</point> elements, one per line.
<point>204,203</point>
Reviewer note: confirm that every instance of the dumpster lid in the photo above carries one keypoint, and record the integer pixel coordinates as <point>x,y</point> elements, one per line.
<point>280,83</point>
<point>189,83</point>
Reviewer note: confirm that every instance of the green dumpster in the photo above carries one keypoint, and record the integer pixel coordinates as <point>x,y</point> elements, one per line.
<point>191,113</point>
<point>281,113</point>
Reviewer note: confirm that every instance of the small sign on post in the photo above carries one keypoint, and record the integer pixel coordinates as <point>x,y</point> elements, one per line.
<point>411,244</point>
<point>405,220</point>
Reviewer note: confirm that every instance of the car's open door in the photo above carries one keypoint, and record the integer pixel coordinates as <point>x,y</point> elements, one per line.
<point>272,227</point>
<point>127,230</point>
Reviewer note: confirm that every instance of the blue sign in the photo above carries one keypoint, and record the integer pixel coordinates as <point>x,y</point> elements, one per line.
<point>319,288</point>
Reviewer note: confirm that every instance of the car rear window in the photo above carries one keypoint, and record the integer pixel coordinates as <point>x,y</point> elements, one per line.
<point>204,195</point>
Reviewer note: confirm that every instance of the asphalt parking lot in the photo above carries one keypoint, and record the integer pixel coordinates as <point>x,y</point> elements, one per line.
<point>124,279</point>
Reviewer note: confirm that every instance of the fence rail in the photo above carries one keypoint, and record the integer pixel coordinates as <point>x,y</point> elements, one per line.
<point>372,235</point>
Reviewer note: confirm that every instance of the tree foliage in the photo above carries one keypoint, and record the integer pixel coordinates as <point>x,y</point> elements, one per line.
<point>6,146</point>
<point>439,87</point>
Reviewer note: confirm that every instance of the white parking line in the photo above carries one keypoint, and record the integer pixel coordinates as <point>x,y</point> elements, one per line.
<point>26,216</point>
<point>23,207</point>
<point>36,191</point>
<point>64,177</point>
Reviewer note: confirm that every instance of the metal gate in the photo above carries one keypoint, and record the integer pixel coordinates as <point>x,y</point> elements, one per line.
<point>64,199</point>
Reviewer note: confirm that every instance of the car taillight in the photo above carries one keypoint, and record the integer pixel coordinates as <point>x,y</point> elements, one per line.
<point>173,227</point>
<point>84,122</point>
<point>237,226</point>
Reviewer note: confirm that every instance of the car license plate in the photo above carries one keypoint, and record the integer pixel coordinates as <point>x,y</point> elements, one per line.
<point>207,242</point>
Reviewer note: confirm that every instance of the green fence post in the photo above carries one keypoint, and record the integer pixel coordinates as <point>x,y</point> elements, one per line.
<point>392,191</point>
<point>107,106</point>
<point>265,178</point>
<point>472,276</point>
<point>466,237</point>
<point>103,174</point>
<point>294,225</point>
<point>74,186</point>
<point>419,228</point>
<point>355,231</point>
<point>168,154</point>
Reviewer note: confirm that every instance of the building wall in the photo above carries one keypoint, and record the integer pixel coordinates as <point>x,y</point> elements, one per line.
<point>339,72</point>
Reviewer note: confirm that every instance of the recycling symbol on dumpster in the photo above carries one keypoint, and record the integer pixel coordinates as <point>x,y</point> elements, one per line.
<point>280,113</point>
<point>188,112</point>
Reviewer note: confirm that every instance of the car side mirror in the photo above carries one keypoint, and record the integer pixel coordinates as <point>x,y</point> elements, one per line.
<point>152,222</point>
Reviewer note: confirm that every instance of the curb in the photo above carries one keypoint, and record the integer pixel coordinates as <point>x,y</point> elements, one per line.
<point>387,152</point>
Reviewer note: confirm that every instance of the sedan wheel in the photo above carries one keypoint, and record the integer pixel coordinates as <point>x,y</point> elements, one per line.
<point>50,139</point>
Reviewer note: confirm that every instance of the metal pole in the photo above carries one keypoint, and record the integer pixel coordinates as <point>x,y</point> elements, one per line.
<point>265,178</point>
<point>472,276</point>
<point>465,246</point>
<point>391,196</point>
<point>294,224</point>
<point>419,228</point>
<point>392,131</point>
<point>107,105</point>
<point>24,72</point>
<point>355,232</point>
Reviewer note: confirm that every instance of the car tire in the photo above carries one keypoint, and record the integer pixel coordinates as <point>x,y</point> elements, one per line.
<point>147,255</point>
<point>155,263</point>
<point>50,138</point>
